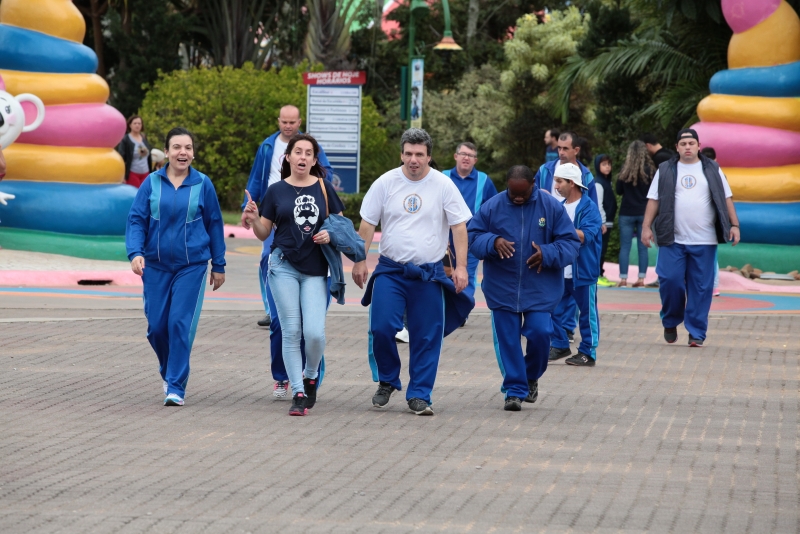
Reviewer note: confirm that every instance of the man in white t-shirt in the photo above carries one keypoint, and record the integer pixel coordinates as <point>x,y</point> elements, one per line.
<point>417,208</point>
<point>690,203</point>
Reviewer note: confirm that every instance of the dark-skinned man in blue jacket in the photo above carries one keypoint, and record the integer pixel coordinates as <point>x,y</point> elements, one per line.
<point>580,278</point>
<point>525,240</point>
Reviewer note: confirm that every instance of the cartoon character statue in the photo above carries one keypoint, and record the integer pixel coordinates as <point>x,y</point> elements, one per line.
<point>12,122</point>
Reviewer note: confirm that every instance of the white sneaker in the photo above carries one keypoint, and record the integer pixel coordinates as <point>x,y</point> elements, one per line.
<point>173,400</point>
<point>402,335</point>
<point>280,389</point>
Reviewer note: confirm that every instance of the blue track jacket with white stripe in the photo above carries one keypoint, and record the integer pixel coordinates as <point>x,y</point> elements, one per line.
<point>172,228</point>
<point>586,267</point>
<point>508,284</point>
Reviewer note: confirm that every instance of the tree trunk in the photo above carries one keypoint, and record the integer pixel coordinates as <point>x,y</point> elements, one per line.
<point>97,32</point>
<point>473,13</point>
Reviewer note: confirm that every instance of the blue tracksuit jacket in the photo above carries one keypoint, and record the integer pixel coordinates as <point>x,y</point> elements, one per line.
<point>259,174</point>
<point>586,267</point>
<point>544,178</point>
<point>509,284</point>
<point>173,228</point>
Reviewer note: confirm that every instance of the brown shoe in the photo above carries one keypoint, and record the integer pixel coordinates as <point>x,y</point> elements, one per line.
<point>639,283</point>
<point>622,283</point>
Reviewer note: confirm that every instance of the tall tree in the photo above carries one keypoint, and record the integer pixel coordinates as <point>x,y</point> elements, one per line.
<point>328,37</point>
<point>238,31</point>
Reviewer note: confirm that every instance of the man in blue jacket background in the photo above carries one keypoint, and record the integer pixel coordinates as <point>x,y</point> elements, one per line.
<point>525,240</point>
<point>265,172</point>
<point>580,278</point>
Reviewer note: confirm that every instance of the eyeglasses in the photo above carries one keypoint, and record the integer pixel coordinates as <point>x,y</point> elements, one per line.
<point>465,155</point>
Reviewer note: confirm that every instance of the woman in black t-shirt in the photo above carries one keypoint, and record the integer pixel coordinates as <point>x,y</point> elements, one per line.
<point>296,207</point>
<point>633,183</point>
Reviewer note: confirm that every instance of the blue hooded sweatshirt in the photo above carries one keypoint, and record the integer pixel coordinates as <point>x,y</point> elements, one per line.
<point>259,174</point>
<point>172,228</point>
<point>586,267</point>
<point>544,178</point>
<point>509,284</point>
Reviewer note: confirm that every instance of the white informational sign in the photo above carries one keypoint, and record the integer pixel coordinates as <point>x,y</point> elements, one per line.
<point>417,78</point>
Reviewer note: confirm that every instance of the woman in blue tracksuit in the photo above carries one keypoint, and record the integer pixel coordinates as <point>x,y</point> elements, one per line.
<point>525,240</point>
<point>174,229</point>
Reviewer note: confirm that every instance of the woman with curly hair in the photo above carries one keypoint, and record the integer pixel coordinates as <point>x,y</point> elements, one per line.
<point>633,183</point>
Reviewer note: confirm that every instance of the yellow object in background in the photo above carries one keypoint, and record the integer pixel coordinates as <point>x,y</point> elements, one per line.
<point>42,163</point>
<point>59,18</point>
<point>782,113</point>
<point>56,89</point>
<point>774,41</point>
<point>764,184</point>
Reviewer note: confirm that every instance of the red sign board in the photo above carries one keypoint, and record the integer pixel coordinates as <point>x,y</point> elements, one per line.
<point>335,77</point>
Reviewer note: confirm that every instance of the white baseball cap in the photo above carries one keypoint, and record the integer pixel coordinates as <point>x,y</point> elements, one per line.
<point>570,171</point>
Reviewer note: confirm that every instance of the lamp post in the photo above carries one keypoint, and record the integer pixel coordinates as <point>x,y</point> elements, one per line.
<point>417,9</point>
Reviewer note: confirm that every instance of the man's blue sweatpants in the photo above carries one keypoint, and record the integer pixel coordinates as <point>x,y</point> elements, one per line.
<point>392,294</point>
<point>172,303</point>
<point>277,367</point>
<point>589,320</point>
<point>686,285</point>
<point>472,273</point>
<point>262,274</point>
<point>517,370</point>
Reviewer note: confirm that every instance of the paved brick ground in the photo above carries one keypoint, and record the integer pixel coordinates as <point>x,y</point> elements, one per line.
<point>655,438</point>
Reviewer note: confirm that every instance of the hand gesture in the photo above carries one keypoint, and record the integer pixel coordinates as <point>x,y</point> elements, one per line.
<point>216,280</point>
<point>504,248</point>
<point>137,265</point>
<point>536,259</point>
<point>250,213</point>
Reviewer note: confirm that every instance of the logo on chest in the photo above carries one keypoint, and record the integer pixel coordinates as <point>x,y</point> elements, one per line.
<point>412,203</point>
<point>688,181</point>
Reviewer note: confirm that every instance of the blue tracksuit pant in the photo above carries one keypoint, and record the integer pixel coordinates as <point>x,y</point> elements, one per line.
<point>686,285</point>
<point>472,273</point>
<point>172,303</point>
<point>517,370</point>
<point>262,274</point>
<point>277,367</point>
<point>392,294</point>
<point>589,320</point>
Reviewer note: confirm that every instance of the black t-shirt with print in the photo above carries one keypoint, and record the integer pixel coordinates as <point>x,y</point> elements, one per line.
<point>298,214</point>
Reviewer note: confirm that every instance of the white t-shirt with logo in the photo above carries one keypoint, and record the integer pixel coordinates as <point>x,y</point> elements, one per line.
<point>277,161</point>
<point>695,213</point>
<point>415,217</point>
<point>571,208</point>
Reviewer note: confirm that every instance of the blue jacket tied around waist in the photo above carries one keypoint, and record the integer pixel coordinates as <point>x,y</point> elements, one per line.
<point>172,228</point>
<point>344,240</point>
<point>586,267</point>
<point>456,305</point>
<point>508,284</point>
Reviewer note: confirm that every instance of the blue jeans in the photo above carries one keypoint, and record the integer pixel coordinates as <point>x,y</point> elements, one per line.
<point>627,224</point>
<point>302,304</point>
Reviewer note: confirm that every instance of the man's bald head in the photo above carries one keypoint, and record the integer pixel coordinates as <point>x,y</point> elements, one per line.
<point>289,122</point>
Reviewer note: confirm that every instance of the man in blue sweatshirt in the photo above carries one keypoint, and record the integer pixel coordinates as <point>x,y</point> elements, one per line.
<point>525,240</point>
<point>265,172</point>
<point>580,278</point>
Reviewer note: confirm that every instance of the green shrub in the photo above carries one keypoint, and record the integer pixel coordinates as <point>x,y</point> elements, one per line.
<point>231,111</point>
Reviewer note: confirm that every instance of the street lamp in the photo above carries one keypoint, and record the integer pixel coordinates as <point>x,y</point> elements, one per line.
<point>419,8</point>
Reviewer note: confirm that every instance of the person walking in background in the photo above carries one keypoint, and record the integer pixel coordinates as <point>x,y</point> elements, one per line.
<point>525,239</point>
<point>633,183</point>
<point>135,152</point>
<point>580,278</point>
<point>658,153</point>
<point>690,203</point>
<point>174,228</point>
<point>476,189</point>
<point>551,144</point>
<point>607,203</point>
<point>296,207</point>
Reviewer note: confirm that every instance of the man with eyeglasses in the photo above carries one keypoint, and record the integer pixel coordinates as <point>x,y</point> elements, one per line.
<point>475,188</point>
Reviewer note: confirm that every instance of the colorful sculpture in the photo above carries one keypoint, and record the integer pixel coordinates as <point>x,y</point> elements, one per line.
<point>63,163</point>
<point>752,119</point>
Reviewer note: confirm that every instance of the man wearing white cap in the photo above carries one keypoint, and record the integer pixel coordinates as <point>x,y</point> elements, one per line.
<point>580,278</point>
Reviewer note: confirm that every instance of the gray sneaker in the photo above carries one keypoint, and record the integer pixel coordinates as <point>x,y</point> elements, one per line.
<point>533,391</point>
<point>382,396</point>
<point>419,407</point>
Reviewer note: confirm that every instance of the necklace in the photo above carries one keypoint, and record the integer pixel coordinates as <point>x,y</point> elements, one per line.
<point>296,192</point>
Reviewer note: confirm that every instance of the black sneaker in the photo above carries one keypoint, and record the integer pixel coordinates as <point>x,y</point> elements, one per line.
<point>419,407</point>
<point>694,342</point>
<point>570,335</point>
<point>557,354</point>
<point>671,335</point>
<point>533,391</point>
<point>381,397</point>
<point>310,386</point>
<point>265,321</point>
<point>298,405</point>
<point>653,284</point>
<point>513,404</point>
<point>580,359</point>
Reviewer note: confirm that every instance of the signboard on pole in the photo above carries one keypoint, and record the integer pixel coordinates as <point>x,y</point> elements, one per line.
<point>417,78</point>
<point>334,119</point>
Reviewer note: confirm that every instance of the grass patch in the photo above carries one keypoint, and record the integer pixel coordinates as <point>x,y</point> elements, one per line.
<point>232,217</point>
